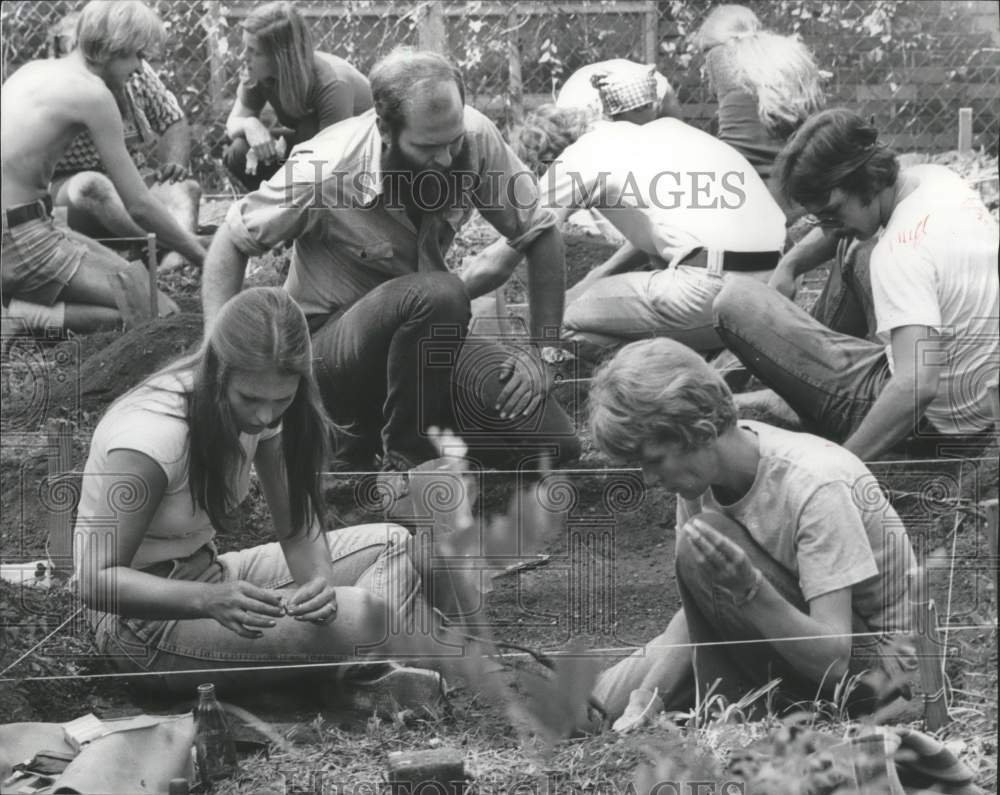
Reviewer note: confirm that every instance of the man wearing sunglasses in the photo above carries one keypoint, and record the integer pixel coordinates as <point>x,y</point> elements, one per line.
<point>925,384</point>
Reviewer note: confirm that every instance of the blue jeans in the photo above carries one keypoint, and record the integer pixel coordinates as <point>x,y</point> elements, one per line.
<point>670,302</point>
<point>377,591</point>
<point>398,361</point>
<point>829,379</point>
<point>846,304</point>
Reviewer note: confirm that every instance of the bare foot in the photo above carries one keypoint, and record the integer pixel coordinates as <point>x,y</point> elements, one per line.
<point>172,261</point>
<point>167,305</point>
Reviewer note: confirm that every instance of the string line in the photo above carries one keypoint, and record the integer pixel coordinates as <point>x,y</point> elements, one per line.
<point>606,651</point>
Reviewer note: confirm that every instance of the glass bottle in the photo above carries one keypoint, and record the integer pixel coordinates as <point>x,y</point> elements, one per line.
<point>214,746</point>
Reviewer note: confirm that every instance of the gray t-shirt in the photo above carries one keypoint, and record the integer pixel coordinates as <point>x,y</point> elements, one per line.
<point>818,511</point>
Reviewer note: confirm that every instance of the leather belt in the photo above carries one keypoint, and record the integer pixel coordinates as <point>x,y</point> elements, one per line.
<point>40,208</point>
<point>736,261</point>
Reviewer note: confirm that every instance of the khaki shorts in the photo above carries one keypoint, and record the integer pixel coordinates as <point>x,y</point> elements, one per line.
<point>38,260</point>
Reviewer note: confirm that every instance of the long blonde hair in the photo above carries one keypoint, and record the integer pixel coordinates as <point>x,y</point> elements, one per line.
<point>779,71</point>
<point>282,34</point>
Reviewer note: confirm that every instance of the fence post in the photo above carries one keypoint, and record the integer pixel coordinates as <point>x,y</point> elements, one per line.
<point>431,33</point>
<point>964,130</point>
<point>515,85</point>
<point>212,23</point>
<point>650,23</point>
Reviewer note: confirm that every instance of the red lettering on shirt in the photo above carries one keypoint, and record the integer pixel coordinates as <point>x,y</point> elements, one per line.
<point>913,236</point>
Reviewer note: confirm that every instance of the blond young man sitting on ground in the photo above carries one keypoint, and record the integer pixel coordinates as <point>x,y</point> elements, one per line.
<point>790,561</point>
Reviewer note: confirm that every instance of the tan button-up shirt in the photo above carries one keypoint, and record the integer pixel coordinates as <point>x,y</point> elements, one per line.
<point>348,239</point>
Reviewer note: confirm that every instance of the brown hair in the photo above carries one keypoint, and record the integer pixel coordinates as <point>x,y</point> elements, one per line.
<point>284,35</point>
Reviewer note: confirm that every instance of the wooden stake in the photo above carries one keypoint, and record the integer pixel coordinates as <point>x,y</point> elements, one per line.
<point>515,84</point>
<point>154,304</point>
<point>964,130</point>
<point>990,507</point>
<point>431,33</point>
<point>650,23</point>
<point>60,463</point>
<point>930,658</point>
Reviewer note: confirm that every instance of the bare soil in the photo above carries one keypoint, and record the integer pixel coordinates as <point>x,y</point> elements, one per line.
<point>608,582</point>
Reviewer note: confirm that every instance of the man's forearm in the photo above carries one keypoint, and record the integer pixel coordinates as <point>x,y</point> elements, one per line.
<point>823,657</point>
<point>546,284</point>
<point>895,413</point>
<point>624,259</point>
<point>222,277</point>
<point>152,215</point>
<point>175,144</point>
<point>810,252</point>
<point>489,269</point>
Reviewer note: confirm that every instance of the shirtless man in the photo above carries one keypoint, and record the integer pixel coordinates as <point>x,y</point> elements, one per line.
<point>158,138</point>
<point>53,276</point>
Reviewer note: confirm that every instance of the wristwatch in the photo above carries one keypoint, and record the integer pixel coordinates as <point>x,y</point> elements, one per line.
<point>552,355</point>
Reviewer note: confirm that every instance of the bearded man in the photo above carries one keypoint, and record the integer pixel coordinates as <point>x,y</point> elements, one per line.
<point>373,204</point>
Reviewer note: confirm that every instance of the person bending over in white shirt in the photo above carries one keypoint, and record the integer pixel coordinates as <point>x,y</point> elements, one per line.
<point>688,204</point>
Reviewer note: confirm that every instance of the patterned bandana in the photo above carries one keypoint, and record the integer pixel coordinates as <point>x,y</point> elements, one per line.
<point>626,89</point>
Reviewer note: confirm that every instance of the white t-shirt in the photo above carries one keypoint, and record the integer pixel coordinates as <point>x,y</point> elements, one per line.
<point>152,420</point>
<point>935,265</point>
<point>817,510</point>
<point>668,188</point>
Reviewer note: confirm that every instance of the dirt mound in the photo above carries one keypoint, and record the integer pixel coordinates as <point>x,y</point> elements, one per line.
<point>112,370</point>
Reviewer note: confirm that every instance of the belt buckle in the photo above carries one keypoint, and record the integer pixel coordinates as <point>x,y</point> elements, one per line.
<point>714,260</point>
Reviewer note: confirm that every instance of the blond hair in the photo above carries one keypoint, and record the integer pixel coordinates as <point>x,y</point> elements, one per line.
<point>779,71</point>
<point>111,28</point>
<point>657,391</point>
<point>725,23</point>
<point>546,133</point>
<point>283,35</point>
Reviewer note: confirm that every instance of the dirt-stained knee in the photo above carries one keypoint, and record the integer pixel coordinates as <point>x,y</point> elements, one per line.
<point>89,187</point>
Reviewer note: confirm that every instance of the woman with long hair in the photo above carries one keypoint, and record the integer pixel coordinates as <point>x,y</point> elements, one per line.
<point>766,84</point>
<point>307,89</point>
<point>169,464</point>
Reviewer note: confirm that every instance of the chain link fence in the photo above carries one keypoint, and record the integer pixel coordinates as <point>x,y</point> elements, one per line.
<point>912,64</point>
